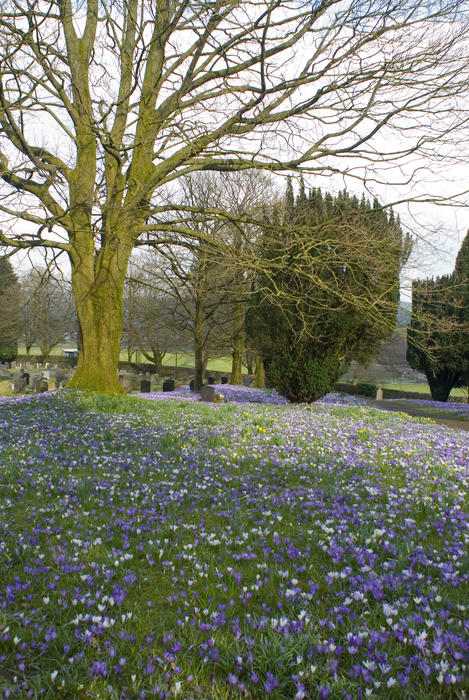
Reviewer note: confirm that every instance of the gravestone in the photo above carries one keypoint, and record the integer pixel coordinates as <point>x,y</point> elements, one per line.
<point>168,385</point>
<point>26,378</point>
<point>46,374</point>
<point>211,380</point>
<point>61,378</point>
<point>192,385</point>
<point>247,381</point>
<point>33,380</point>
<point>42,385</point>
<point>207,393</point>
<point>379,394</point>
<point>129,382</point>
<point>145,386</point>
<point>224,380</point>
<point>18,386</point>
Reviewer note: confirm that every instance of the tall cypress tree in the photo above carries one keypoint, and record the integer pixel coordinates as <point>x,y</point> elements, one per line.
<point>10,308</point>
<point>429,336</point>
<point>458,357</point>
<point>438,336</point>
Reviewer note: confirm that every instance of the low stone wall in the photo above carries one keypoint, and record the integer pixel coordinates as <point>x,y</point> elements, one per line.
<point>392,393</point>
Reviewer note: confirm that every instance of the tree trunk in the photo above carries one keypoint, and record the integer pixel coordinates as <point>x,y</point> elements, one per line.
<point>237,343</point>
<point>198,350</point>
<point>98,287</point>
<point>441,383</point>
<point>259,380</point>
<point>205,359</point>
<point>45,353</point>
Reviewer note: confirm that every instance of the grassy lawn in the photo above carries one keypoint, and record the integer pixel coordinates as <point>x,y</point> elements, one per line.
<point>157,549</point>
<point>222,364</point>
<point>423,389</point>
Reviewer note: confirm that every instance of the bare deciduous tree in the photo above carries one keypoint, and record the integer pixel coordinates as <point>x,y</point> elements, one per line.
<point>47,313</point>
<point>104,106</point>
<point>152,323</point>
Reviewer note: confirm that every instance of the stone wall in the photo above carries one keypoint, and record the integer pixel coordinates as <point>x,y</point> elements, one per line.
<point>390,363</point>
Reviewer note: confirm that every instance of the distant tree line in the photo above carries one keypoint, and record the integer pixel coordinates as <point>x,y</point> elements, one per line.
<point>323,292</point>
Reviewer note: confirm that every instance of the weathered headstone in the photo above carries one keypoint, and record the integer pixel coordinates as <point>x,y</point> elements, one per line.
<point>145,386</point>
<point>192,385</point>
<point>46,374</point>
<point>247,381</point>
<point>224,380</point>
<point>61,378</point>
<point>379,394</point>
<point>33,380</point>
<point>207,393</point>
<point>168,385</point>
<point>26,378</point>
<point>42,385</point>
<point>211,380</point>
<point>18,386</point>
<point>129,382</point>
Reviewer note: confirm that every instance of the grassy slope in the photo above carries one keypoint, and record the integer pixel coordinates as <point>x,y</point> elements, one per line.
<point>223,524</point>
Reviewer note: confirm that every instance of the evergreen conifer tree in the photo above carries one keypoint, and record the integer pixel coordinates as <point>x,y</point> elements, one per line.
<point>438,337</point>
<point>10,309</point>
<point>331,249</point>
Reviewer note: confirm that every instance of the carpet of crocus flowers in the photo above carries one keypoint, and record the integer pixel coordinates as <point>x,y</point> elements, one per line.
<point>181,549</point>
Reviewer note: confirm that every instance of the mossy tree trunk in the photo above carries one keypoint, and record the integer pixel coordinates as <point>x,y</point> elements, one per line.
<point>198,347</point>
<point>98,287</point>
<point>237,344</point>
<point>259,380</point>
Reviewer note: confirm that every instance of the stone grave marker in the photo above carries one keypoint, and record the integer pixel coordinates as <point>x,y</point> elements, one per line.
<point>129,382</point>
<point>211,380</point>
<point>61,378</point>
<point>42,385</point>
<point>192,385</point>
<point>207,393</point>
<point>145,386</point>
<point>224,380</point>
<point>168,385</point>
<point>18,386</point>
<point>26,378</point>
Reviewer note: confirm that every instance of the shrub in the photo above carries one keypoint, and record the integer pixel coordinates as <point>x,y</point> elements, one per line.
<point>364,389</point>
<point>8,351</point>
<point>302,379</point>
